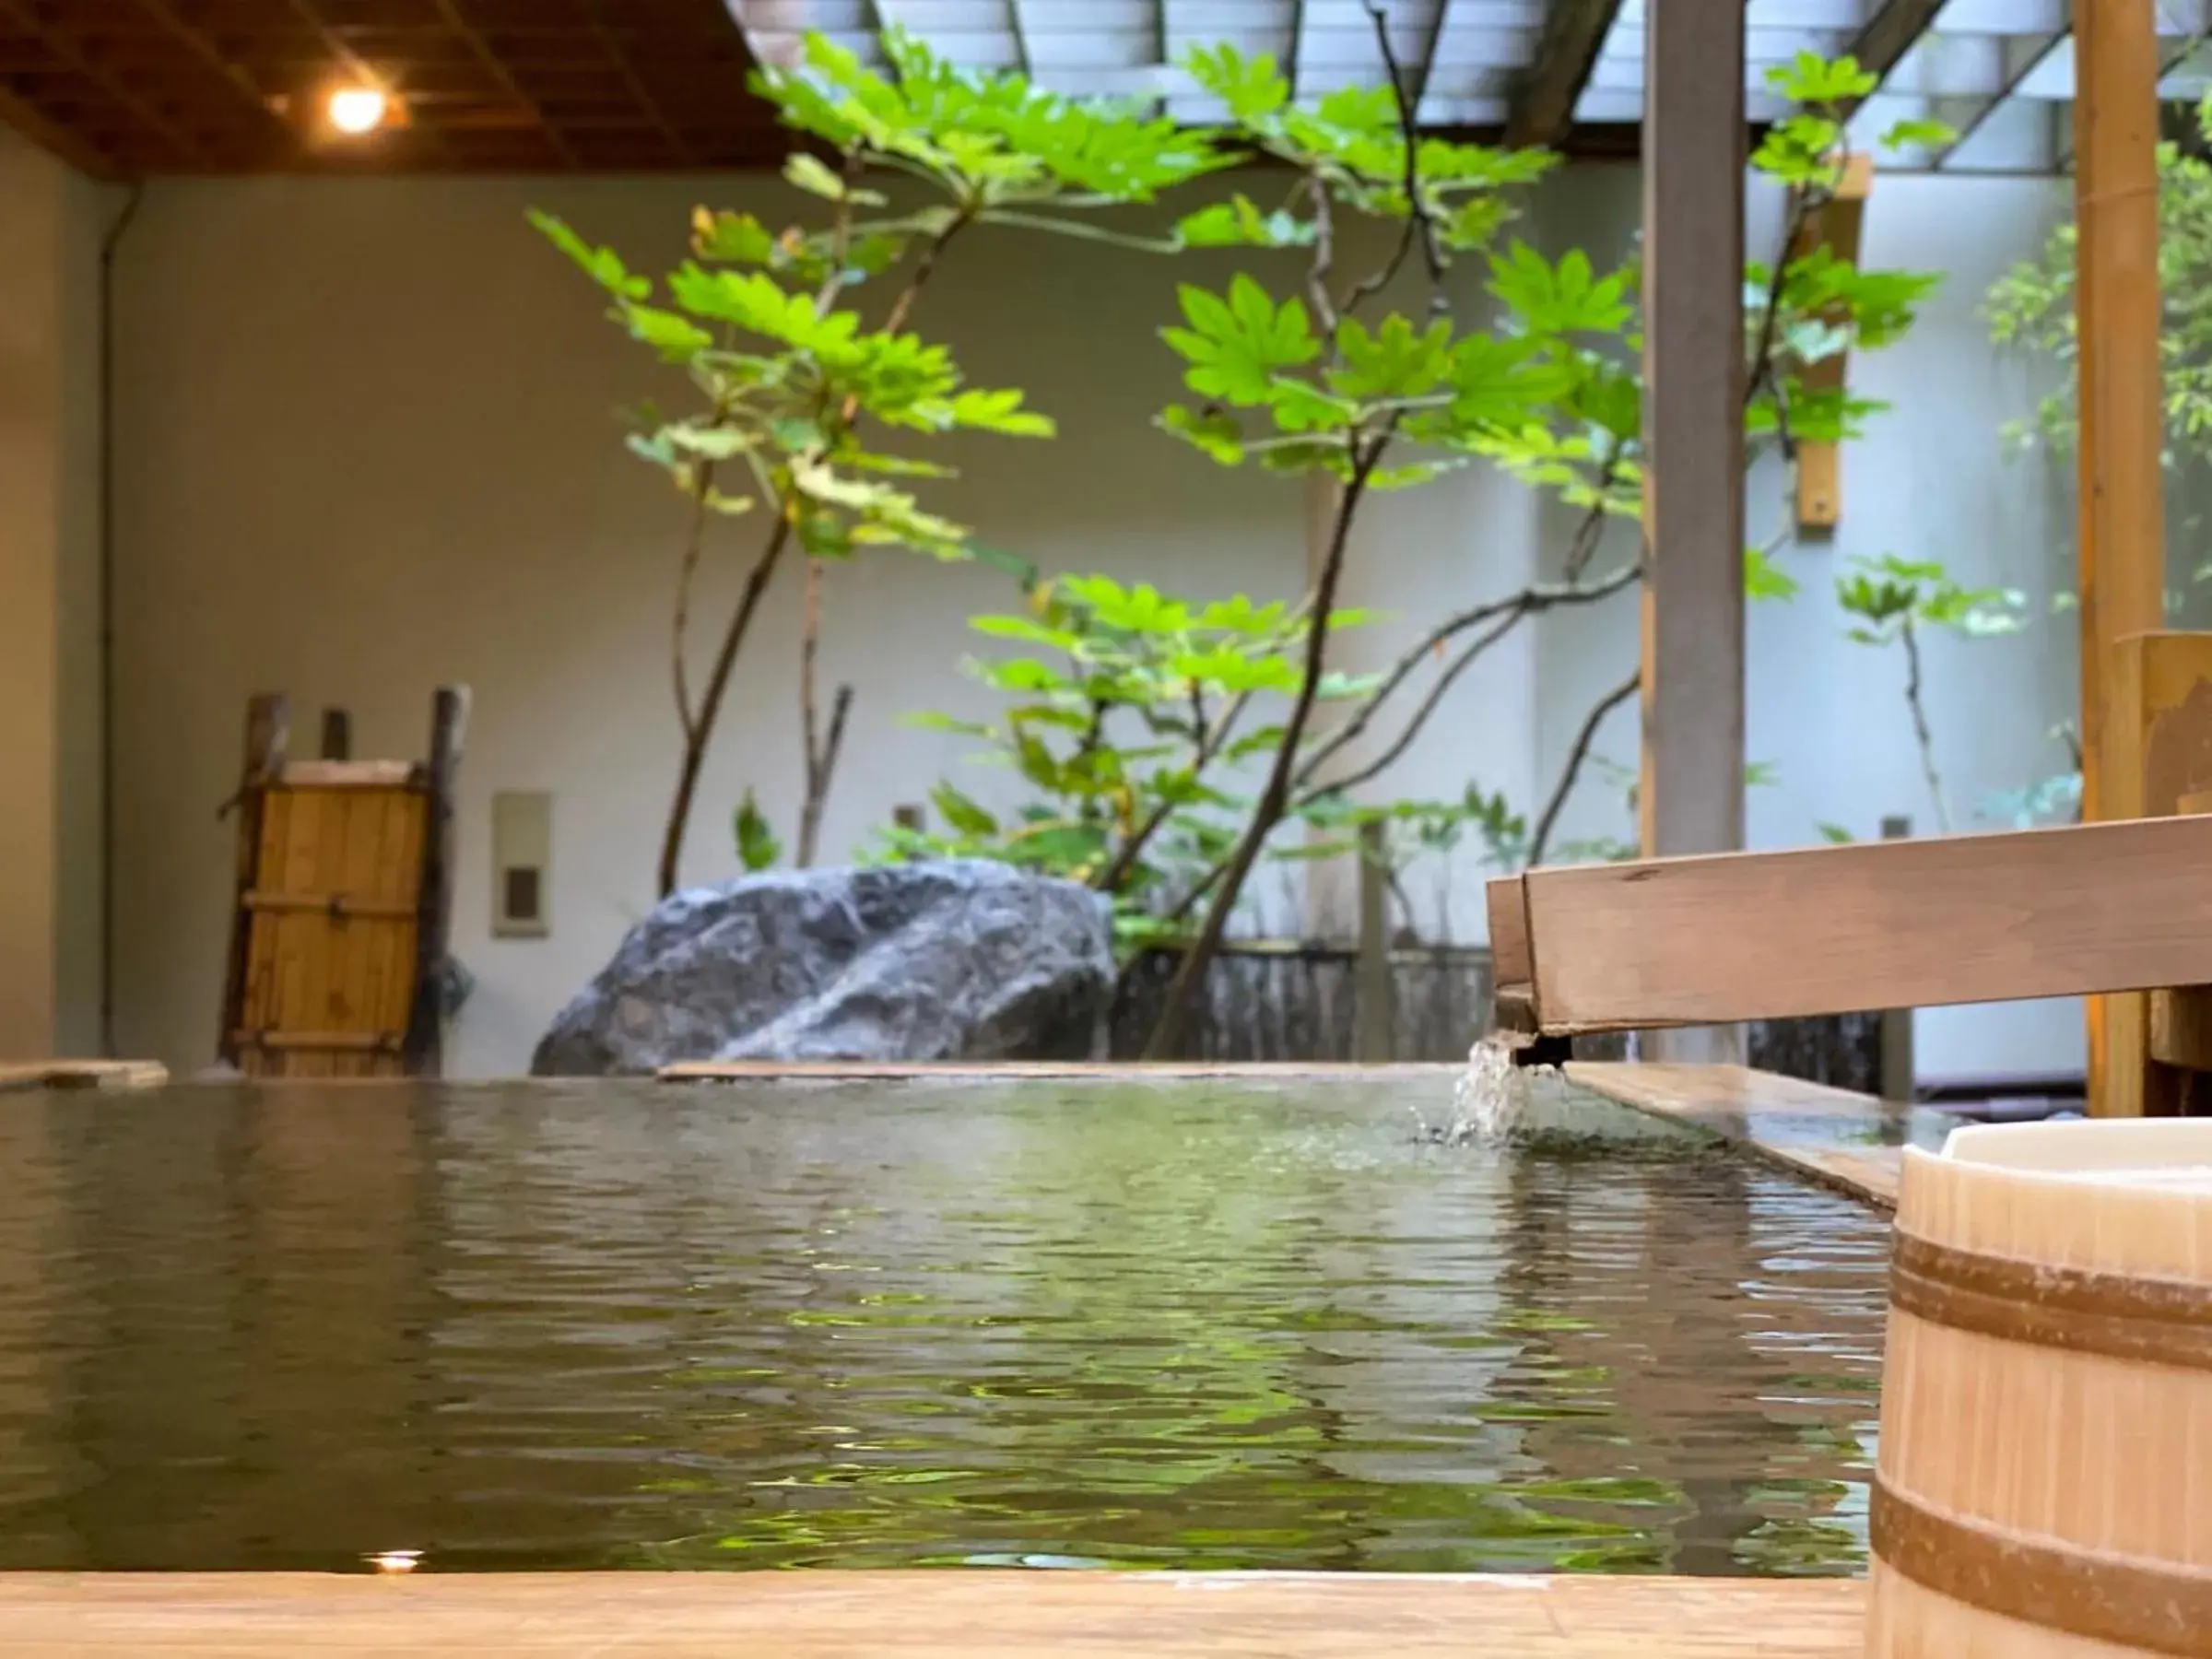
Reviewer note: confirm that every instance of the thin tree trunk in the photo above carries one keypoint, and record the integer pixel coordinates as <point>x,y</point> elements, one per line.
<point>698,724</point>
<point>1275,798</point>
<point>701,730</point>
<point>821,756</point>
<point>1921,735</point>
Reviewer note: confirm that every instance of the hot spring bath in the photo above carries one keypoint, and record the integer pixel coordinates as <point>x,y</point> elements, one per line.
<point>1174,1324</point>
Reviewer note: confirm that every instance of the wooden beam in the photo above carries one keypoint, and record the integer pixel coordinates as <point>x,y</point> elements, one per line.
<point>2022,56</point>
<point>26,18</point>
<point>1736,936</point>
<point>201,45</point>
<point>57,140</point>
<point>1892,31</point>
<point>1544,100</point>
<point>451,14</point>
<point>1692,794</point>
<point>1836,227</point>
<point>2123,533</point>
<point>310,15</point>
<point>679,147</point>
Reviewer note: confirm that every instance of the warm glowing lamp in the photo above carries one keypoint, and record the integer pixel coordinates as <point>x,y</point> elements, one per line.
<point>358,109</point>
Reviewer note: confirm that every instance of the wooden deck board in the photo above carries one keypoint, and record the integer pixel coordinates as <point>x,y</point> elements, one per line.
<point>1830,1135</point>
<point>1116,1071</point>
<point>82,1074</point>
<point>937,1615</point>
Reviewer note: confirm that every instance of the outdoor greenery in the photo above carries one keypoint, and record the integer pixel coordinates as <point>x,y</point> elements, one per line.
<point>2031,309</point>
<point>1889,601</point>
<point>1331,377</point>
<point>795,390</point>
<point>1166,746</point>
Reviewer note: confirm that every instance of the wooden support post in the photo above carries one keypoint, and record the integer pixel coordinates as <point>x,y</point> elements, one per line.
<point>1378,1014</point>
<point>268,731</point>
<point>2157,731</point>
<point>1692,794</point>
<point>425,1046</point>
<point>2122,536</point>
<point>337,735</point>
<point>1900,1078</point>
<point>2181,1023</point>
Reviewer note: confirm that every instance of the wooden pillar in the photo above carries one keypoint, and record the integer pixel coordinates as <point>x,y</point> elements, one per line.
<point>2123,533</point>
<point>268,734</point>
<point>1378,1014</point>
<point>425,1045</point>
<point>1692,794</point>
<point>1900,1078</point>
<point>2157,749</point>
<point>337,735</point>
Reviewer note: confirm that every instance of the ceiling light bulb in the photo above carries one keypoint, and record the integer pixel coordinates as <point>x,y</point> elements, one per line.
<point>357,110</point>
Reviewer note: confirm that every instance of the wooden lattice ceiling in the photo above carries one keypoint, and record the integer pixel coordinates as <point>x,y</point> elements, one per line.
<point>125,87</point>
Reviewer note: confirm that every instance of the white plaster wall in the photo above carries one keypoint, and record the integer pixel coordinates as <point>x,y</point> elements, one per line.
<point>49,732</point>
<point>367,444</point>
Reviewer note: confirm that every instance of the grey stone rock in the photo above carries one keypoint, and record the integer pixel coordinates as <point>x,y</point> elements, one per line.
<point>963,960</point>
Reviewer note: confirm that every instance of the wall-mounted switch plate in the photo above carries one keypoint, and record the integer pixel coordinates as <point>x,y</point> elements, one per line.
<point>522,861</point>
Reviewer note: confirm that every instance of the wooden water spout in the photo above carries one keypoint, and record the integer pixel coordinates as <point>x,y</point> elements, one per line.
<point>1740,937</point>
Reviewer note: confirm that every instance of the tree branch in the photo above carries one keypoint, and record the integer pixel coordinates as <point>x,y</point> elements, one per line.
<point>1529,601</point>
<point>810,640</point>
<point>1325,318</point>
<point>1591,530</point>
<point>695,543</point>
<point>1417,216</point>
<point>1412,728</point>
<point>1547,820</point>
<point>1211,741</point>
<point>820,770</point>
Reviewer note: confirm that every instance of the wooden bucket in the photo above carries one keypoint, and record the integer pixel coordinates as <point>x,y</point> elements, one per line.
<point>2044,1484</point>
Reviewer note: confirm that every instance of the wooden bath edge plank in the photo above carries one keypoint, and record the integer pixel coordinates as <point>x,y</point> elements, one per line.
<point>986,1071</point>
<point>939,1614</point>
<point>82,1074</point>
<point>1735,937</point>
<point>1798,1126</point>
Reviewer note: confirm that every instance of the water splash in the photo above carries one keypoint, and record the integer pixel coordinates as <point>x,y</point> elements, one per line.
<point>1491,1096</point>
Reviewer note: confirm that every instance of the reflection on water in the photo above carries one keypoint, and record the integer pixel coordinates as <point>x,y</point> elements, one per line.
<point>1195,1326</point>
